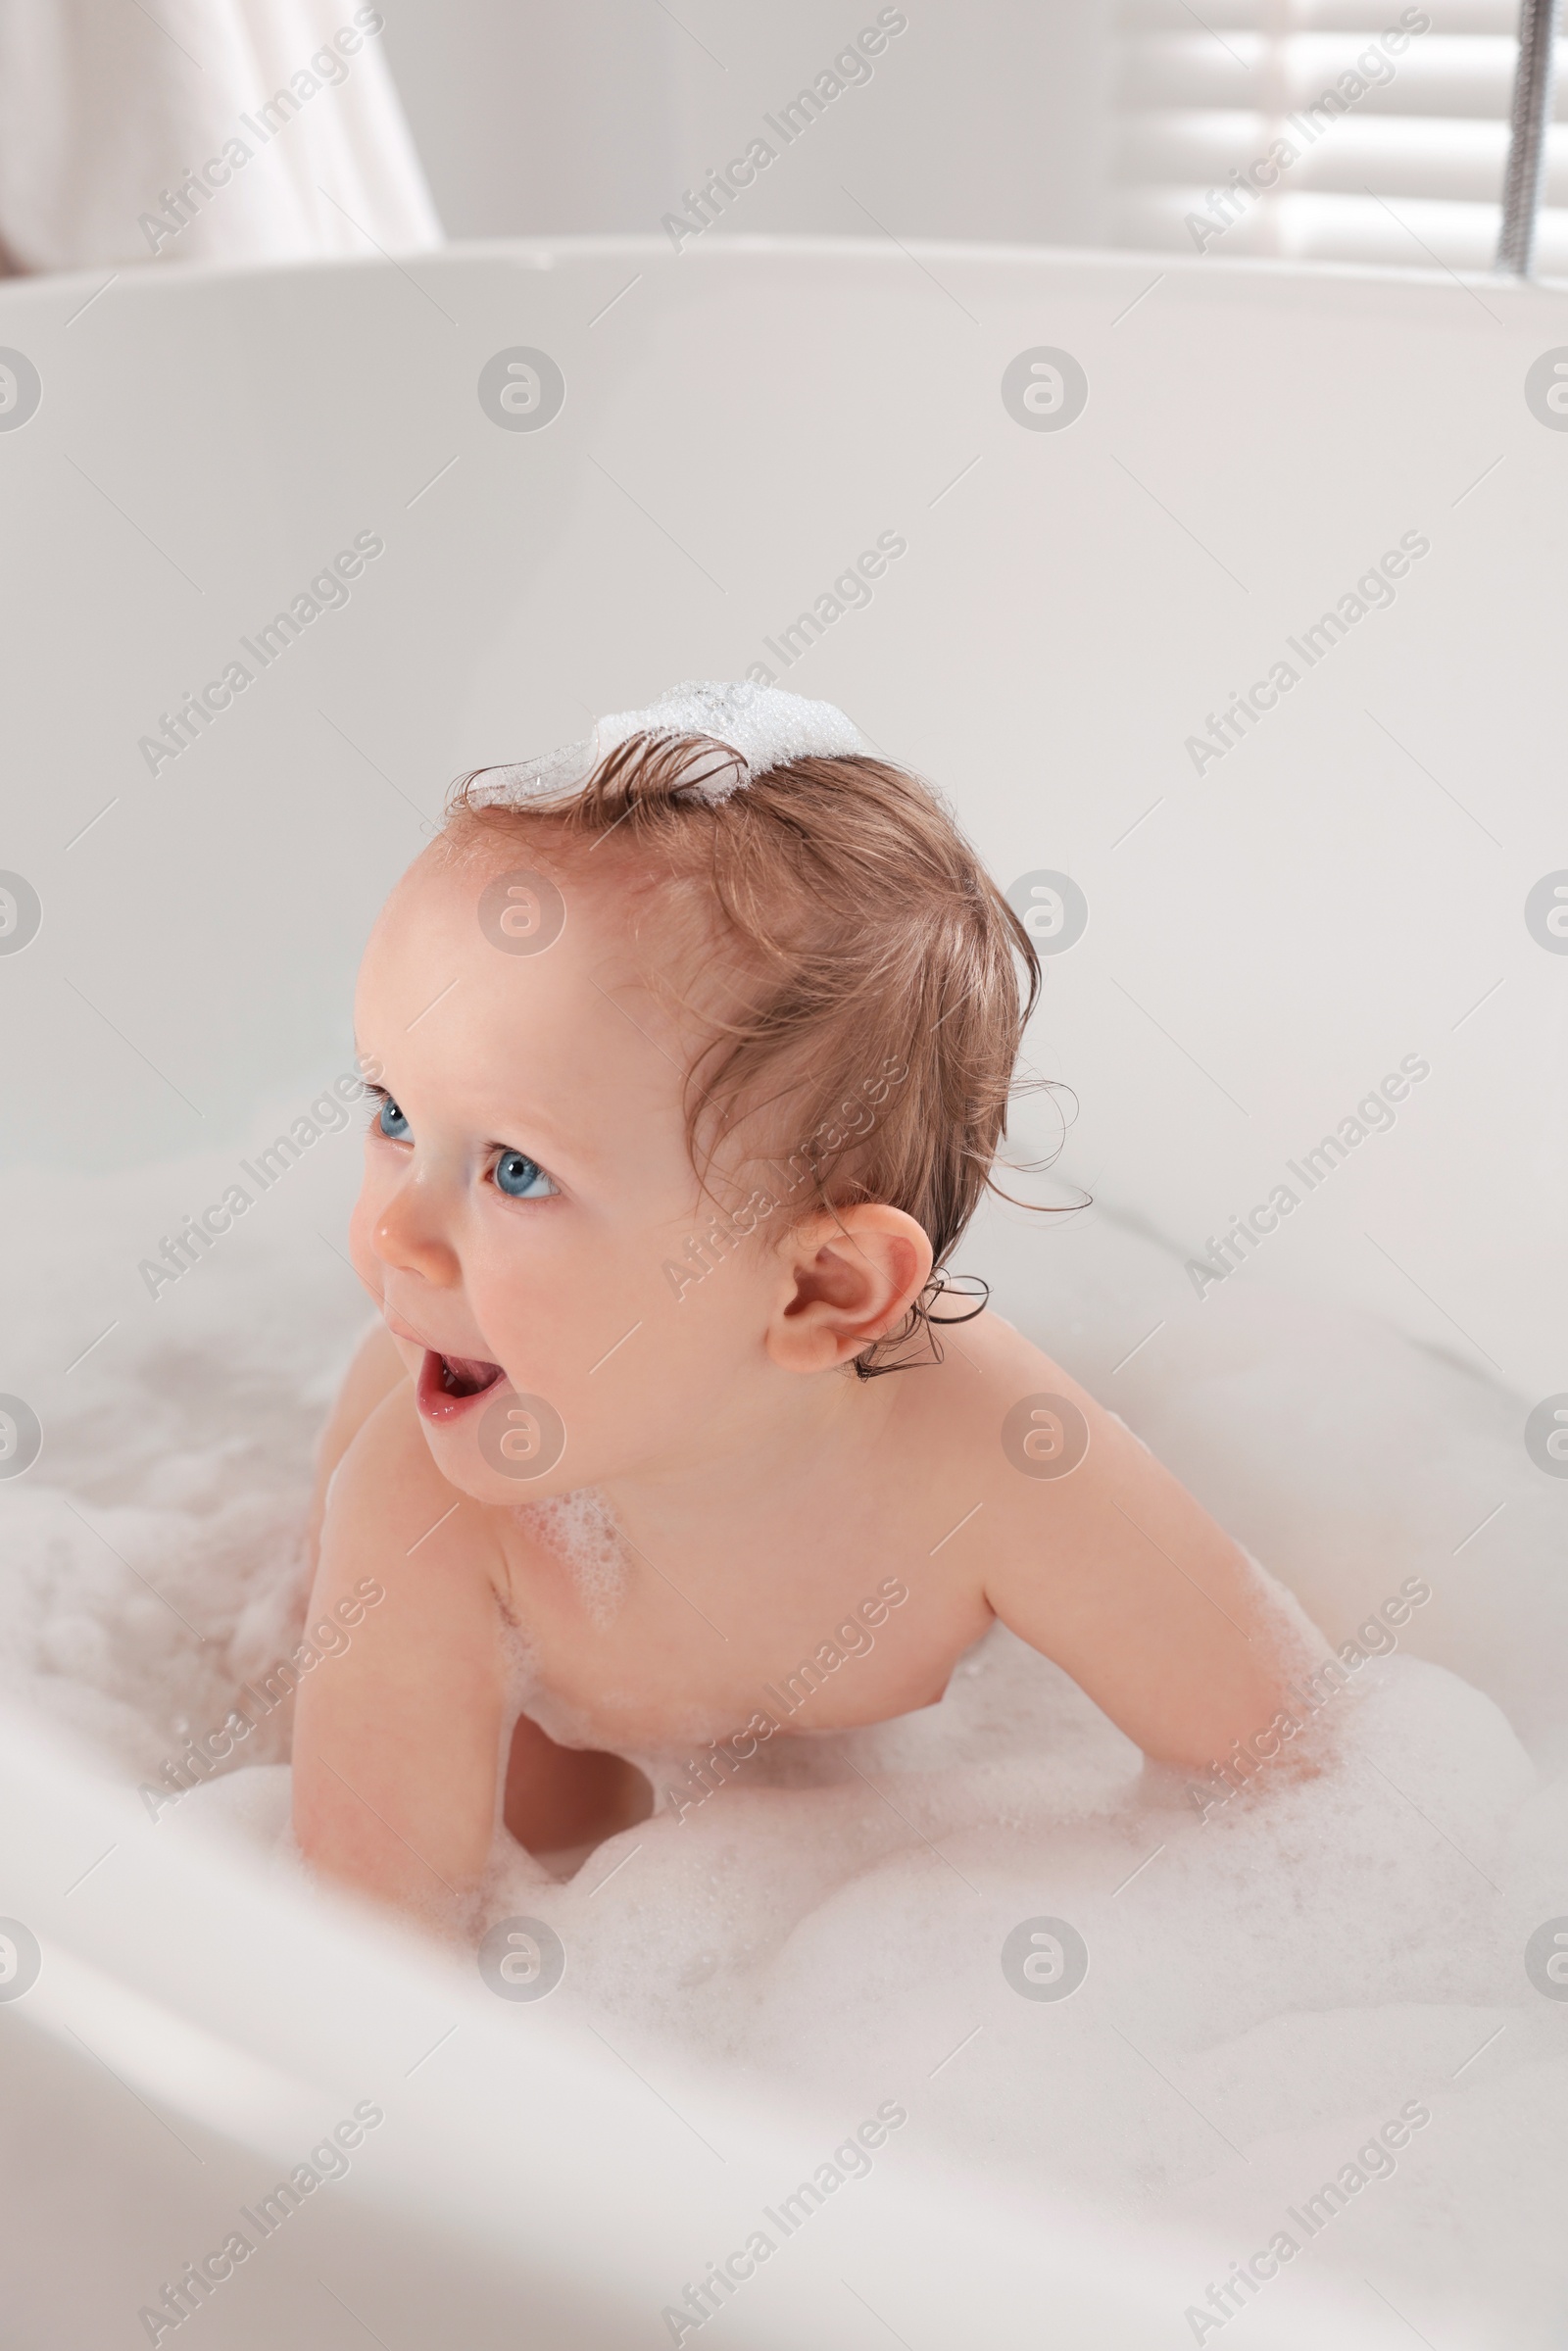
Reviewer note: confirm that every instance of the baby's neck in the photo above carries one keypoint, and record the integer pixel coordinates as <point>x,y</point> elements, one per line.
<point>762,1477</point>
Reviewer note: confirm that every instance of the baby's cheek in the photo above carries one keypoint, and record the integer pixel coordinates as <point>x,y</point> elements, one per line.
<point>551,1311</point>
<point>530,1299</point>
<point>366,1213</point>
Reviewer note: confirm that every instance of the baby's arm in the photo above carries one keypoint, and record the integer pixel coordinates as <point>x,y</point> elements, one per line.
<point>1120,1576</point>
<point>377,1369</point>
<point>398,1739</point>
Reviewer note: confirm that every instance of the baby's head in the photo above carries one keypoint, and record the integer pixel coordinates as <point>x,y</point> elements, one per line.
<point>696,1062</point>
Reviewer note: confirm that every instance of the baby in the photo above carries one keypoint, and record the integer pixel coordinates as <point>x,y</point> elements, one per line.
<point>693,1048</point>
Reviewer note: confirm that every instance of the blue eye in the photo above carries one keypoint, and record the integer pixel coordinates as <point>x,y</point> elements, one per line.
<point>390,1121</point>
<point>521,1178</point>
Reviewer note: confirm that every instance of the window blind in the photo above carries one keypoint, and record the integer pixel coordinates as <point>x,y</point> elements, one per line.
<point>1325,129</point>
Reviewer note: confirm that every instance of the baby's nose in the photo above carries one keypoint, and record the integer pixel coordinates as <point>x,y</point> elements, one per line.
<point>408,1234</point>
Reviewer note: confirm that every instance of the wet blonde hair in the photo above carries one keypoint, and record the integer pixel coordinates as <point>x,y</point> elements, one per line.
<point>878,982</point>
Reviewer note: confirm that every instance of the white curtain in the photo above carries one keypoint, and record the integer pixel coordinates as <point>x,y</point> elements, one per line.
<point>142,130</point>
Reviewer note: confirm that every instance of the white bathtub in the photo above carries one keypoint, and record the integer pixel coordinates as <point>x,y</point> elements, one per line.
<point>1271,932</point>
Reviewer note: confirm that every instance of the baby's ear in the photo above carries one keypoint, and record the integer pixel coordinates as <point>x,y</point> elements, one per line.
<point>847,1276</point>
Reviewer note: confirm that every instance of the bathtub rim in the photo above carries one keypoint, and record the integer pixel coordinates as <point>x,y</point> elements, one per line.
<point>1231,274</point>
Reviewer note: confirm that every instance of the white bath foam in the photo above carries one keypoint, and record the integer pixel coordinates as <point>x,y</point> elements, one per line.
<point>153,1554</point>
<point>763,726</point>
<point>766,724</point>
<point>1265,1986</point>
<point>1259,1983</point>
<point>1309,1894</point>
<point>580,1529</point>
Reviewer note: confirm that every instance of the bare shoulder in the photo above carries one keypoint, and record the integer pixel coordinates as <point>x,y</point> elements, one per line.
<point>1087,1547</point>
<point>989,1371</point>
<point>999,1420</point>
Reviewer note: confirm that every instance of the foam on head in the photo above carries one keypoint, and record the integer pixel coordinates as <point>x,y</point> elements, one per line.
<point>737,731</point>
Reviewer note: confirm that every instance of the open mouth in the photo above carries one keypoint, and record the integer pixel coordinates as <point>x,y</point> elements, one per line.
<point>450,1383</point>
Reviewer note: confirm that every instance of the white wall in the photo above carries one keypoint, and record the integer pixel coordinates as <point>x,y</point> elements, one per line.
<point>981,122</point>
